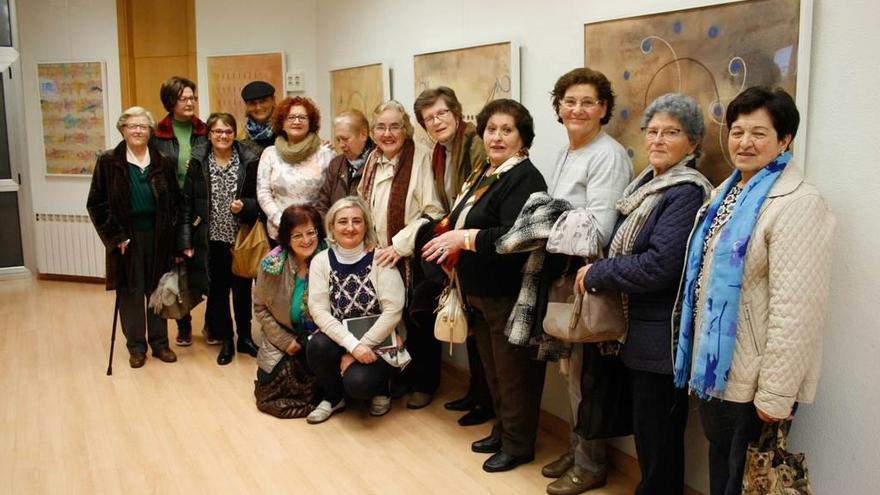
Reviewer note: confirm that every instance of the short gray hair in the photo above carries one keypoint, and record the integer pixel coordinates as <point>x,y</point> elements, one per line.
<point>371,240</point>
<point>393,105</point>
<point>135,112</point>
<point>686,110</point>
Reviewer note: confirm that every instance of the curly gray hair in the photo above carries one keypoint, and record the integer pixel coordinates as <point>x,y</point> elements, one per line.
<point>686,110</point>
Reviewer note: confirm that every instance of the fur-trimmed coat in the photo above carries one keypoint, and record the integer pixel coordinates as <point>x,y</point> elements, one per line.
<point>109,207</point>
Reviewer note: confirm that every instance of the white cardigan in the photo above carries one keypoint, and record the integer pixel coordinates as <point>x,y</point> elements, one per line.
<point>389,288</point>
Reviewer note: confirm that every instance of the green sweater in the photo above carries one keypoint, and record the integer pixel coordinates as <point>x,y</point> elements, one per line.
<point>143,204</point>
<point>183,133</point>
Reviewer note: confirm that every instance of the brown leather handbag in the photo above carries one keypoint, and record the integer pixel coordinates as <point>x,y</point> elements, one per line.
<point>251,246</point>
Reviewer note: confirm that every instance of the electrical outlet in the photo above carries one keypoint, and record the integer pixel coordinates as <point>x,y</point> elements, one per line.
<point>295,82</point>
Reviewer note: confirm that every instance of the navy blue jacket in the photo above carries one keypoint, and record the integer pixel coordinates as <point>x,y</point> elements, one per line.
<point>650,275</point>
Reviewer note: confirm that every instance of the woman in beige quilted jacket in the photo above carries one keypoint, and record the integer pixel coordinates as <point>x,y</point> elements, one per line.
<point>755,287</point>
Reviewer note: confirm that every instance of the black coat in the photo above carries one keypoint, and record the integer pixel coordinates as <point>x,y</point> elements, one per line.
<point>165,141</point>
<point>196,208</point>
<point>650,275</point>
<point>109,207</point>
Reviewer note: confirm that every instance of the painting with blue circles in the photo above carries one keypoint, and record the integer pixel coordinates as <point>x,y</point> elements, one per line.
<point>710,53</point>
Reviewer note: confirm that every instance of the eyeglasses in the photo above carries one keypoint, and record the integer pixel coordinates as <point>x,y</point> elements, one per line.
<point>440,115</point>
<point>393,128</point>
<point>586,103</point>
<point>304,237</point>
<point>504,131</point>
<point>222,132</point>
<point>136,127</point>
<point>188,99</point>
<point>297,118</point>
<point>652,133</point>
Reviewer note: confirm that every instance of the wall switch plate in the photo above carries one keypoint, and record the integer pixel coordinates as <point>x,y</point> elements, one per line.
<point>295,82</point>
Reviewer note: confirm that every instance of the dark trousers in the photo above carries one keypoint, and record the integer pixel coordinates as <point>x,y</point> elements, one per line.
<point>360,381</point>
<point>729,427</point>
<point>138,322</point>
<point>515,378</point>
<point>423,373</point>
<point>659,417</point>
<point>478,387</point>
<point>217,312</point>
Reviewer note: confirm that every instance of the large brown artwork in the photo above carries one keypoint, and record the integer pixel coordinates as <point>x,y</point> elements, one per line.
<point>478,75</point>
<point>361,88</point>
<point>709,53</point>
<point>227,74</point>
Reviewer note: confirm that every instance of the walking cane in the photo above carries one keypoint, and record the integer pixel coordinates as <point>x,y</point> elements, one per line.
<point>113,335</point>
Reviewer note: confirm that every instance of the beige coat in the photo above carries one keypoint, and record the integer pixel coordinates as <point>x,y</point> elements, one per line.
<point>785,284</point>
<point>272,298</point>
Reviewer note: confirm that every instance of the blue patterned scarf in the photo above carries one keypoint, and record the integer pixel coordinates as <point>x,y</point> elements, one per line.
<point>259,132</point>
<point>718,323</point>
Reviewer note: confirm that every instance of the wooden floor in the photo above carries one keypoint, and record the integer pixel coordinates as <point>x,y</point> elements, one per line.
<point>192,427</point>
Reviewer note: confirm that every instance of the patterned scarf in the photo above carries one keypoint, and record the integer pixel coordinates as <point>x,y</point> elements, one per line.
<point>718,324</point>
<point>299,152</point>
<point>259,132</point>
<point>638,202</point>
<point>396,208</point>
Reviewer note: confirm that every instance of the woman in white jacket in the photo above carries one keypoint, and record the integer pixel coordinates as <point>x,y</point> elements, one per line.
<point>755,287</point>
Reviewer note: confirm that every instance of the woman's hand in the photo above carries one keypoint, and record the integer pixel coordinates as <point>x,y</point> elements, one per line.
<point>443,246</point>
<point>363,354</point>
<point>122,245</point>
<point>236,206</point>
<point>293,348</point>
<point>579,279</point>
<point>188,252</point>
<point>387,256</point>
<point>347,360</point>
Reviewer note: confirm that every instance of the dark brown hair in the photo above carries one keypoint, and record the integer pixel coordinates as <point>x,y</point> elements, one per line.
<point>224,117</point>
<point>172,89</point>
<point>584,75</point>
<point>778,103</point>
<point>296,215</point>
<point>430,96</point>
<point>521,117</point>
<point>283,109</point>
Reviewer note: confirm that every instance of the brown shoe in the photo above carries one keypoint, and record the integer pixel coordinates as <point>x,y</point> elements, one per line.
<point>166,355</point>
<point>558,467</point>
<point>137,359</point>
<point>418,400</point>
<point>575,481</point>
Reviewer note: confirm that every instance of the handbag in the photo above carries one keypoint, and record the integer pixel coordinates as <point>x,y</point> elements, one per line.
<point>451,322</point>
<point>771,469</point>
<point>606,404</point>
<point>172,299</point>
<point>251,246</point>
<point>583,318</point>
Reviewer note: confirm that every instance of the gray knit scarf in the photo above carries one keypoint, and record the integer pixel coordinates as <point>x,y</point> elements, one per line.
<point>638,202</point>
<point>298,152</point>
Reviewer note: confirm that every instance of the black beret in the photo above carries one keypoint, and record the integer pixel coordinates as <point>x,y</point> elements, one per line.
<point>255,90</point>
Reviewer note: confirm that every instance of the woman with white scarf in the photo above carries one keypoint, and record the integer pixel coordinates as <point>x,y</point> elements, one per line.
<point>644,264</point>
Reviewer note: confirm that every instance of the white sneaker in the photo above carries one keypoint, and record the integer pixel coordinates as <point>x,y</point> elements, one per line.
<point>380,405</point>
<point>324,411</point>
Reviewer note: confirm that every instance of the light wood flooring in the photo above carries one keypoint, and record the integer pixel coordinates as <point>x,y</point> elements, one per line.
<point>192,427</point>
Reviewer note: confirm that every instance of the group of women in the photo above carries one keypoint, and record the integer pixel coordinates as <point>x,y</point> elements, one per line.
<point>723,289</point>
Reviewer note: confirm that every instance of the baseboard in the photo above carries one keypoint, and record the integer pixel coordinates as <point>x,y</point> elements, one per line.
<point>70,278</point>
<point>559,428</point>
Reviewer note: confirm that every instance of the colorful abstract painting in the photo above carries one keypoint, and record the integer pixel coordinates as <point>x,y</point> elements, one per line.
<point>477,74</point>
<point>710,53</point>
<point>72,106</point>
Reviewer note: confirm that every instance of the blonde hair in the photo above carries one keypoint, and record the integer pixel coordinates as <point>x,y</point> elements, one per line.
<point>135,112</point>
<point>370,239</point>
<point>393,105</point>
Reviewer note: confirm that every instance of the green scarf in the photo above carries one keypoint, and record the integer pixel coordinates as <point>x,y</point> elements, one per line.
<point>299,152</point>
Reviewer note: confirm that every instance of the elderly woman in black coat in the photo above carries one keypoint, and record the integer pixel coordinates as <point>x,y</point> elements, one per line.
<point>645,264</point>
<point>133,203</point>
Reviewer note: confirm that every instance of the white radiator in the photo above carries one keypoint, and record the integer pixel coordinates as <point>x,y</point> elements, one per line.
<point>68,245</point>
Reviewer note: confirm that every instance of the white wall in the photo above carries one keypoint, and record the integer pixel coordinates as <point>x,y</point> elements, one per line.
<point>840,432</point>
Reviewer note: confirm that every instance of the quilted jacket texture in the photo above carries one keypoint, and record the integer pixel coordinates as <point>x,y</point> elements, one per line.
<point>784,296</point>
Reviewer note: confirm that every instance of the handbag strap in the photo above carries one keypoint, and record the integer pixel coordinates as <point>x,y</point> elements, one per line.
<point>457,286</point>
